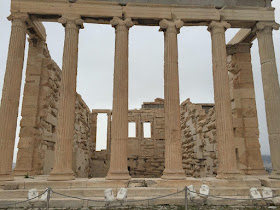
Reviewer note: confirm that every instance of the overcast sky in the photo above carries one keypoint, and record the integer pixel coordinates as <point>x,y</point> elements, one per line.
<point>146,48</point>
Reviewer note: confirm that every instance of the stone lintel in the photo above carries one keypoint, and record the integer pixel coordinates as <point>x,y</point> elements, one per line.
<point>238,48</point>
<point>244,35</point>
<point>36,30</point>
<point>100,111</point>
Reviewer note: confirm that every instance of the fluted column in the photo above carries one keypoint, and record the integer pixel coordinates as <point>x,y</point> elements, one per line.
<point>225,141</point>
<point>173,151</point>
<point>109,117</point>
<point>271,91</point>
<point>66,114</point>
<point>11,94</point>
<point>119,139</point>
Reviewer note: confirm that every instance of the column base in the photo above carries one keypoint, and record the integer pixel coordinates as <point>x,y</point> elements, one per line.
<point>61,176</point>
<point>256,172</point>
<point>22,173</point>
<point>229,175</point>
<point>6,177</point>
<point>118,176</point>
<point>274,175</point>
<point>173,175</point>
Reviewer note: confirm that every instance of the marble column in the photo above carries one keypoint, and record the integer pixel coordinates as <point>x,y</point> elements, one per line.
<point>109,118</point>
<point>66,114</point>
<point>271,91</point>
<point>225,141</point>
<point>11,94</point>
<point>173,145</point>
<point>118,160</point>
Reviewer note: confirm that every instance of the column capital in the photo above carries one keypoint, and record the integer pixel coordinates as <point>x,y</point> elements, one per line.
<point>69,21</point>
<point>238,48</point>
<point>262,26</point>
<point>215,26</point>
<point>18,19</point>
<point>18,16</point>
<point>171,25</point>
<point>121,24</point>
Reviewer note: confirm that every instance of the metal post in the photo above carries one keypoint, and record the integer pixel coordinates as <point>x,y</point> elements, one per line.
<point>186,198</point>
<point>48,198</point>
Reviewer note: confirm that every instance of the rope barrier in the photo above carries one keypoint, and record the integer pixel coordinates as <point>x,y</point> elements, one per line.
<point>155,198</point>
<point>226,198</point>
<point>84,199</point>
<point>49,190</point>
<point>128,201</point>
<point>16,203</point>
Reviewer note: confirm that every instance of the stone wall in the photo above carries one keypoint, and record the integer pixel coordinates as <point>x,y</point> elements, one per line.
<point>198,139</point>
<point>83,144</point>
<point>199,146</point>
<point>39,118</point>
<point>198,127</point>
<point>244,109</point>
<point>145,155</point>
<point>100,163</point>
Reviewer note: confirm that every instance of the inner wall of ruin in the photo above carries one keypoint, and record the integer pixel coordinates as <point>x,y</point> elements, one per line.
<point>145,155</point>
<point>39,119</point>
<point>198,125</point>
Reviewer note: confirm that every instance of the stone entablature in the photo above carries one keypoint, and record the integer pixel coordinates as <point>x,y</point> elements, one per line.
<point>216,3</point>
<point>199,14</point>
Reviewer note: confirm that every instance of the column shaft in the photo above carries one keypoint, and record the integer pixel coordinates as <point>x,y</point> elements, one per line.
<point>109,117</point>
<point>66,114</point>
<point>271,91</point>
<point>173,151</point>
<point>11,94</point>
<point>225,144</point>
<point>118,160</point>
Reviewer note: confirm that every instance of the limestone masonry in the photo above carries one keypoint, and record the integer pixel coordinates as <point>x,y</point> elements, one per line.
<point>39,119</point>
<point>58,130</point>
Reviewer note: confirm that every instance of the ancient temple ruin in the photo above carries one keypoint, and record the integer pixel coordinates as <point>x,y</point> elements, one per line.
<point>58,130</point>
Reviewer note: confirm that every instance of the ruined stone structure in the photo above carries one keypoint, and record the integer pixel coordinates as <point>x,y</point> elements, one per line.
<point>38,133</point>
<point>235,113</point>
<point>199,142</point>
<point>244,110</point>
<point>145,155</point>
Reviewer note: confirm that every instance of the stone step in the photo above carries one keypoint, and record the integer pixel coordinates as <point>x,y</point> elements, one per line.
<point>132,192</point>
<point>270,182</point>
<point>40,182</point>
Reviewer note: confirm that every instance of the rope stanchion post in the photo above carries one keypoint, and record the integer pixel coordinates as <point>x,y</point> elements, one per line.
<point>48,198</point>
<point>186,198</point>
